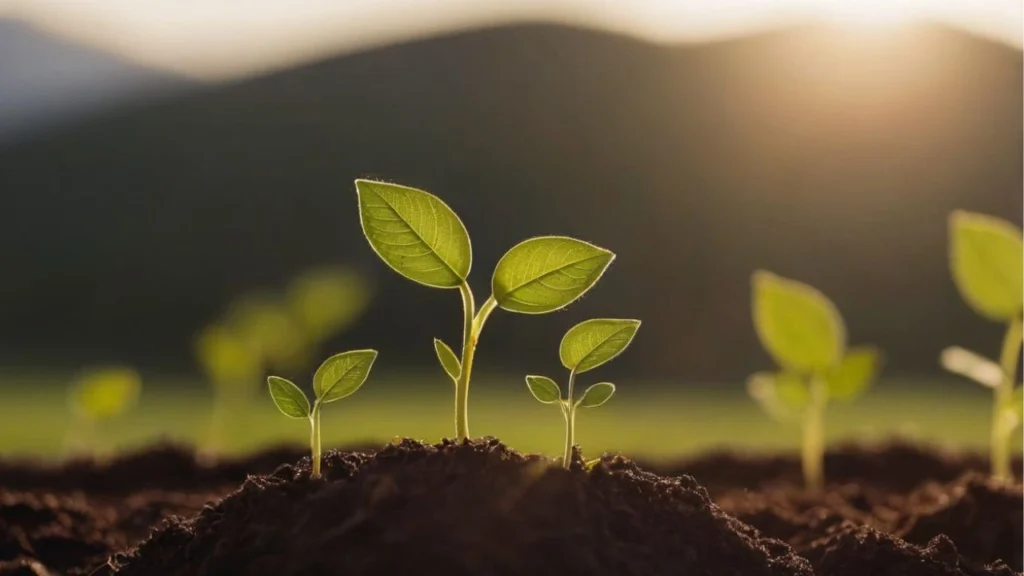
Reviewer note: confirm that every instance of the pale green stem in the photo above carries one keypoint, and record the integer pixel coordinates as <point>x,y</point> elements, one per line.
<point>812,454</point>
<point>570,423</point>
<point>473,325</point>
<point>314,438</point>
<point>1001,433</point>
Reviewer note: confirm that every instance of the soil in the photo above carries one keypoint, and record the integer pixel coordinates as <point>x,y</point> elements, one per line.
<point>481,508</point>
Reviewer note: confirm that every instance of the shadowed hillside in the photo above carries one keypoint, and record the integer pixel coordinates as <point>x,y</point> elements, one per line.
<point>829,158</point>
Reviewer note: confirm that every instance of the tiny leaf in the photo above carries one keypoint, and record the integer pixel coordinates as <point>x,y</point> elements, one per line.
<point>986,260</point>
<point>783,396</point>
<point>544,389</point>
<point>544,274</point>
<point>415,233</point>
<point>449,361</point>
<point>797,325</point>
<point>592,343</point>
<point>342,374</point>
<point>972,365</point>
<point>288,398</point>
<point>855,373</point>
<point>105,392</point>
<point>596,395</point>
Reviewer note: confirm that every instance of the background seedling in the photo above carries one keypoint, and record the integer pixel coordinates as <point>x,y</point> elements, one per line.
<point>100,394</point>
<point>327,300</point>
<point>339,376</point>
<point>805,335</point>
<point>985,257</point>
<point>584,347</point>
<point>421,238</point>
<point>232,368</point>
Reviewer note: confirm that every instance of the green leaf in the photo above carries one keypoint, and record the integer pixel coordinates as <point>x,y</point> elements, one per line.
<point>449,361</point>
<point>544,389</point>
<point>105,392</point>
<point>797,325</point>
<point>986,256</point>
<point>596,395</point>
<point>288,398</point>
<point>544,274</point>
<point>783,396</point>
<point>971,365</point>
<point>415,233</point>
<point>592,343</point>
<point>342,374</point>
<point>855,373</point>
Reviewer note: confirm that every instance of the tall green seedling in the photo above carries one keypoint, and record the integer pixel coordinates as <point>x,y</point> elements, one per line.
<point>584,347</point>
<point>421,238</point>
<point>985,257</point>
<point>805,335</point>
<point>339,376</point>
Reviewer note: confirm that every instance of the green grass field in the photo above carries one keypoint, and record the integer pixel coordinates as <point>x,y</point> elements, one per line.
<point>665,420</point>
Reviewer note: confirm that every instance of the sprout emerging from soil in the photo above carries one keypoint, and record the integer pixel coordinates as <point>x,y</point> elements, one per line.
<point>233,369</point>
<point>804,333</point>
<point>339,376</point>
<point>100,394</point>
<point>985,257</point>
<point>584,347</point>
<point>421,238</point>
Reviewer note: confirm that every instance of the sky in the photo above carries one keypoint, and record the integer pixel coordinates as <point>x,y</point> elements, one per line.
<point>223,39</point>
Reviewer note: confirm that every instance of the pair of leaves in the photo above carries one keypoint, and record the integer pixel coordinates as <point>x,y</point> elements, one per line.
<point>421,238</point>
<point>797,325</point>
<point>105,392</point>
<point>339,376</point>
<point>546,391</point>
<point>987,261</point>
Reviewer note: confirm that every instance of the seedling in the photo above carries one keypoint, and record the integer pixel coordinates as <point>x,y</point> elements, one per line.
<point>805,335</point>
<point>233,369</point>
<point>100,394</point>
<point>327,300</point>
<point>267,327</point>
<point>985,255</point>
<point>339,376</point>
<point>584,347</point>
<point>421,238</point>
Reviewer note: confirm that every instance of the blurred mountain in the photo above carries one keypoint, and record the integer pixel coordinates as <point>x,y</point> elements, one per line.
<point>46,81</point>
<point>824,156</point>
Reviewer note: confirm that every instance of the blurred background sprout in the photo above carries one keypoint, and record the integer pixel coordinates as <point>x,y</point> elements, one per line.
<point>97,395</point>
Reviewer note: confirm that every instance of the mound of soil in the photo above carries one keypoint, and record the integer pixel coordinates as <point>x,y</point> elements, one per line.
<point>461,508</point>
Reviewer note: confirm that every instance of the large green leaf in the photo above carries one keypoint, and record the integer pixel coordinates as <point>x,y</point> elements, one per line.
<point>972,365</point>
<point>288,398</point>
<point>590,344</point>
<point>342,374</point>
<point>797,325</point>
<point>544,274</point>
<point>855,373</point>
<point>449,361</point>
<point>415,233</point>
<point>544,389</point>
<point>986,260</point>
<point>782,395</point>
<point>596,395</point>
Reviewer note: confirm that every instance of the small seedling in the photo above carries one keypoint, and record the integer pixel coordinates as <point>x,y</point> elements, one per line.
<point>805,335</point>
<point>339,376</point>
<point>584,347</point>
<point>985,257</point>
<point>327,300</point>
<point>233,369</point>
<point>100,394</point>
<point>421,238</point>
<point>267,327</point>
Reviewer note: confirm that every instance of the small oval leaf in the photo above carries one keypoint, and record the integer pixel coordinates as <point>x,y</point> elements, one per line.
<point>544,274</point>
<point>596,395</point>
<point>781,395</point>
<point>797,325</point>
<point>855,373</point>
<point>288,398</point>
<point>986,261</point>
<point>342,374</point>
<point>592,343</point>
<point>972,365</point>
<point>449,361</point>
<point>415,233</point>
<point>105,392</point>
<point>544,389</point>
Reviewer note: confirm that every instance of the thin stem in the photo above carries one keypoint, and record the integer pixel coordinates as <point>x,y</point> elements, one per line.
<point>570,423</point>
<point>1001,433</point>
<point>812,454</point>
<point>474,324</point>
<point>314,440</point>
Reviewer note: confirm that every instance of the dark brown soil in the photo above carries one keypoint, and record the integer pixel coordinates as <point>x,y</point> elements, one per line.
<point>481,508</point>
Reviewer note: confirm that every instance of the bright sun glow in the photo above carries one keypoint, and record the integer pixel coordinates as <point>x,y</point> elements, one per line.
<point>867,13</point>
